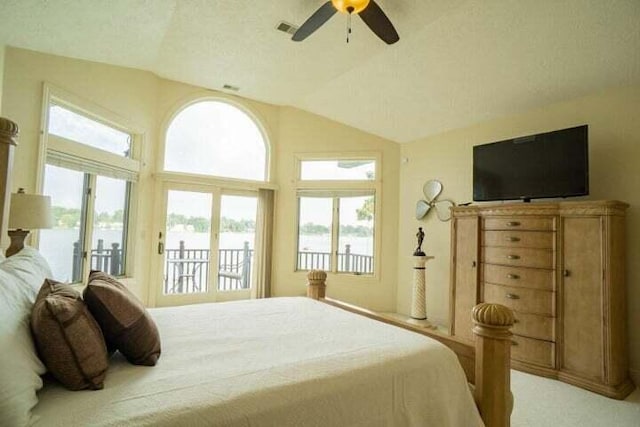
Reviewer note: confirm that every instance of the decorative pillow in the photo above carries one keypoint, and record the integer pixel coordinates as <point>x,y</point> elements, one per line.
<point>68,338</point>
<point>20,278</point>
<point>125,323</point>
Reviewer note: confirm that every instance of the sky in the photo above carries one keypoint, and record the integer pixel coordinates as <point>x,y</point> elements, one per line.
<point>215,138</point>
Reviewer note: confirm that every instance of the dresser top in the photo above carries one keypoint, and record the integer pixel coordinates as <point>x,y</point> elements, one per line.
<point>583,207</point>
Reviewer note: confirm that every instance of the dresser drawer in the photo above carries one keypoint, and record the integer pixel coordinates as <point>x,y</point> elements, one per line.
<point>519,239</point>
<point>519,257</point>
<point>533,351</point>
<point>522,300</point>
<point>532,278</point>
<point>519,223</point>
<point>534,326</point>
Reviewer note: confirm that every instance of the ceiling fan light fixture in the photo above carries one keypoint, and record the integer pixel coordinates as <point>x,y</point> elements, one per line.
<point>350,6</point>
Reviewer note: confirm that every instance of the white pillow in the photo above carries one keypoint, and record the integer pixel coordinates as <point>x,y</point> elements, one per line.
<point>21,276</point>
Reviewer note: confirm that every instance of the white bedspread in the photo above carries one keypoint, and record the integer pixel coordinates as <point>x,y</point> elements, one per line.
<point>277,362</point>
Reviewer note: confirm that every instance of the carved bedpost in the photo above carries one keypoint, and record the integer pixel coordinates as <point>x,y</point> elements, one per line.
<point>316,285</point>
<point>8,140</point>
<point>492,323</point>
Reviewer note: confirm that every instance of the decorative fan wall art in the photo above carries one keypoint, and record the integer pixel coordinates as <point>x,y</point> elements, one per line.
<point>431,190</point>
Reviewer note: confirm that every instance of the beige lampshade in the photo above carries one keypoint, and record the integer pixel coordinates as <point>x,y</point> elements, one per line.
<point>30,211</point>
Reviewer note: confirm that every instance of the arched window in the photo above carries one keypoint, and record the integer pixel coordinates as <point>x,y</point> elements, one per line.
<point>216,138</point>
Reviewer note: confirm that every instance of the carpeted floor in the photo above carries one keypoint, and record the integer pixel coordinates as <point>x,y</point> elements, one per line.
<point>541,402</point>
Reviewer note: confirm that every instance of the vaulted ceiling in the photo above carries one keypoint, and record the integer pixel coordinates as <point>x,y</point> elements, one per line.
<point>458,62</point>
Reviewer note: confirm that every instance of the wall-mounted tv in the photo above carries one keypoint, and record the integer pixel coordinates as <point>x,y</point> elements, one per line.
<point>553,164</point>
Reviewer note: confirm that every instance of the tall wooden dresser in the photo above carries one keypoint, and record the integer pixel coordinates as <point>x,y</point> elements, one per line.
<point>560,267</point>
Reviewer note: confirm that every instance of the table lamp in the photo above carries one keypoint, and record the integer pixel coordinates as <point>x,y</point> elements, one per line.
<point>27,212</point>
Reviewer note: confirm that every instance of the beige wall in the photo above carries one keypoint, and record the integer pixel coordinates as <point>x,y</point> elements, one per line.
<point>614,131</point>
<point>2,53</point>
<point>148,102</point>
<point>128,93</point>
<point>301,132</point>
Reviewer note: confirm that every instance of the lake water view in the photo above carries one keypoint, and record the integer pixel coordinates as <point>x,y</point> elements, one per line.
<point>57,244</point>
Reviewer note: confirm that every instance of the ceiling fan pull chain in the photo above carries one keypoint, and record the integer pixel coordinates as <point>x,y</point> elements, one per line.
<point>348,27</point>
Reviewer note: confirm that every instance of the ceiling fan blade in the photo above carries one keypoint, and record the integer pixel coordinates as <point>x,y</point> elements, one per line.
<point>375,19</point>
<point>315,21</point>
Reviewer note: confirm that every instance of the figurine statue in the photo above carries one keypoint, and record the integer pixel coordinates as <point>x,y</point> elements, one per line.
<point>420,236</point>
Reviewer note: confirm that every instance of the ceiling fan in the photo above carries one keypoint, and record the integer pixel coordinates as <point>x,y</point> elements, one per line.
<point>368,10</point>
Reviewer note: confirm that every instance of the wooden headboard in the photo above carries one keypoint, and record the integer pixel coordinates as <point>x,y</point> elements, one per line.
<point>8,141</point>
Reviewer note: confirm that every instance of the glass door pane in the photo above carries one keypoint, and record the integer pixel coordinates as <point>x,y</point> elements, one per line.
<point>187,242</point>
<point>109,226</point>
<point>63,245</point>
<point>314,233</point>
<point>237,242</point>
<point>355,235</point>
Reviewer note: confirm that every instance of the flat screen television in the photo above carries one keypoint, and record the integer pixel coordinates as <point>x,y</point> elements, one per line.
<point>546,165</point>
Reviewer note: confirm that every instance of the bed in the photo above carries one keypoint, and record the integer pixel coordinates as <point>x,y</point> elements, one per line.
<point>277,362</point>
<point>292,362</point>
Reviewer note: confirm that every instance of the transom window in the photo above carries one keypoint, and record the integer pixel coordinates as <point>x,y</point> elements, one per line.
<point>68,124</point>
<point>337,170</point>
<point>218,139</point>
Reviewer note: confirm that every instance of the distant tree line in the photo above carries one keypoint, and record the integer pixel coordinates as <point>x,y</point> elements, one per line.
<point>70,218</point>
<point>345,230</point>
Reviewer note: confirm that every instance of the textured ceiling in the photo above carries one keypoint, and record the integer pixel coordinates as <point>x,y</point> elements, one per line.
<point>458,62</point>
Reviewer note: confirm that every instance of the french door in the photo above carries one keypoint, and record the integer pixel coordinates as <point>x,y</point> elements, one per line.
<point>206,245</point>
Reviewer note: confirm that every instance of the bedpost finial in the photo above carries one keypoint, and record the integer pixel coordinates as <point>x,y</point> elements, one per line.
<point>492,321</point>
<point>488,314</point>
<point>317,276</point>
<point>8,131</point>
<point>316,286</point>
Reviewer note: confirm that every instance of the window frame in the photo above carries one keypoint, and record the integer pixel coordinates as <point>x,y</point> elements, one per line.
<point>128,167</point>
<point>337,189</point>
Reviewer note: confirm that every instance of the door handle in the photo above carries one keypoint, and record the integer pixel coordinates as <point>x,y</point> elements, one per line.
<point>160,248</point>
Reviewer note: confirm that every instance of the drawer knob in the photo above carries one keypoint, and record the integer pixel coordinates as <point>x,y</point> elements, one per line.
<point>513,256</point>
<point>515,321</point>
<point>566,273</point>
<point>514,343</point>
<point>513,296</point>
<point>513,276</point>
<point>513,239</point>
<point>513,223</point>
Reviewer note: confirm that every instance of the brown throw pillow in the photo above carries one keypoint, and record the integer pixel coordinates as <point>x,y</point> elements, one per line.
<point>68,339</point>
<point>125,323</point>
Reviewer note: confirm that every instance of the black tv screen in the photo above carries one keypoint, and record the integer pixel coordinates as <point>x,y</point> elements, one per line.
<point>553,164</point>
